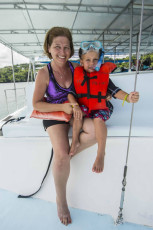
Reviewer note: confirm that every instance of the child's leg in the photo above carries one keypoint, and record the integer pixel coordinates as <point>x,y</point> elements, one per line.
<point>101,134</point>
<point>77,125</point>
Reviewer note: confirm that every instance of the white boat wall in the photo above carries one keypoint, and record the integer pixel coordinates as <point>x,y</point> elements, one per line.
<point>26,148</point>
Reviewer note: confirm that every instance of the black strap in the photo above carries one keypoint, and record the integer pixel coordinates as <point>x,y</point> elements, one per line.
<point>50,70</point>
<point>88,95</point>
<point>99,96</point>
<point>22,196</point>
<point>86,79</point>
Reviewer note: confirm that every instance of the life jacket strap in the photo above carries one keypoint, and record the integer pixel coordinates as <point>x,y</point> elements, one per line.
<point>88,95</point>
<point>99,96</point>
<point>86,79</point>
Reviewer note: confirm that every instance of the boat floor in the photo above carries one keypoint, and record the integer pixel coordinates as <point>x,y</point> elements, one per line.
<point>33,213</point>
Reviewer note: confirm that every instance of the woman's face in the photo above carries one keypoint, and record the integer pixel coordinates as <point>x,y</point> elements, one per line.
<point>60,49</point>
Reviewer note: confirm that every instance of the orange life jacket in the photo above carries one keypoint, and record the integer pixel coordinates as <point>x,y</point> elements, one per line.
<point>91,88</point>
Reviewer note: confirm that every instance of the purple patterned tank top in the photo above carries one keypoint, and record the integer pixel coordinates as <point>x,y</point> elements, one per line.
<point>56,94</point>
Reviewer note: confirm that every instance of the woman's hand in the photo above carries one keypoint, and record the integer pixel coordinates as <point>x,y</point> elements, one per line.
<point>133,97</point>
<point>68,107</point>
<point>77,112</point>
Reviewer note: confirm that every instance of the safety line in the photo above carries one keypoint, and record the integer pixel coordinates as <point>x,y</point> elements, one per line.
<point>120,214</point>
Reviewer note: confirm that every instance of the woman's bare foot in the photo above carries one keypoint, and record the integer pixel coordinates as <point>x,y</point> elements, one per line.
<point>74,147</point>
<point>98,165</point>
<point>63,213</point>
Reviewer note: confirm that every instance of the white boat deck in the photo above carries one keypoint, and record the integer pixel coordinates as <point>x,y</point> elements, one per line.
<point>37,214</point>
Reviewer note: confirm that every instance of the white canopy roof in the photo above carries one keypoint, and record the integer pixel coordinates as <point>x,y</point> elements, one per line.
<point>23,23</point>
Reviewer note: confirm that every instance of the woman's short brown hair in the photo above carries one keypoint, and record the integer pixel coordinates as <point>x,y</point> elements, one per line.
<point>55,32</point>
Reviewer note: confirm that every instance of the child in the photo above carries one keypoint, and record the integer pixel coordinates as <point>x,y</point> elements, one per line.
<point>91,87</point>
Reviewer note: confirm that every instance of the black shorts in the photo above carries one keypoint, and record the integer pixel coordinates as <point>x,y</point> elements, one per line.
<point>48,123</point>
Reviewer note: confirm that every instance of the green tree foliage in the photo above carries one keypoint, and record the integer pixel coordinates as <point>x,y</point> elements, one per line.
<point>20,73</point>
<point>108,58</point>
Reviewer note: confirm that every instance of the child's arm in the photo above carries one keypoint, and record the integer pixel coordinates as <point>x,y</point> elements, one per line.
<point>77,112</point>
<point>71,98</point>
<point>133,97</point>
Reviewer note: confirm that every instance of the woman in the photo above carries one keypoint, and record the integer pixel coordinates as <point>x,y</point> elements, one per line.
<point>56,80</point>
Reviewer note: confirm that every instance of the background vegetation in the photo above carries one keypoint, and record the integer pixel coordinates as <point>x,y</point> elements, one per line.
<point>126,64</point>
<point>21,71</point>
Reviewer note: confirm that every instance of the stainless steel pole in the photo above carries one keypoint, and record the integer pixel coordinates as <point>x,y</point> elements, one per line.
<point>131,32</point>
<point>34,70</point>
<point>29,71</point>
<point>103,45</point>
<point>14,79</point>
<point>120,214</point>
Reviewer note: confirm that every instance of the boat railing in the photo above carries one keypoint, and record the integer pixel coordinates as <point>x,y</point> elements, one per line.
<point>15,99</point>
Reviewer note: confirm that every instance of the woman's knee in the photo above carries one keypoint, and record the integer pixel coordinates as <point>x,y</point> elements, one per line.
<point>61,159</point>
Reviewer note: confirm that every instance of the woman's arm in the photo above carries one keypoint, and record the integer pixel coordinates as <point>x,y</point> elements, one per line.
<point>41,84</point>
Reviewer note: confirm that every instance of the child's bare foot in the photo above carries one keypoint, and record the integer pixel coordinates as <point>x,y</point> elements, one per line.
<point>74,147</point>
<point>63,213</point>
<point>98,165</point>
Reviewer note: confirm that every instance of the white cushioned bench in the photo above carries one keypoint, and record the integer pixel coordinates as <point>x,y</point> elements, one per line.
<point>118,124</point>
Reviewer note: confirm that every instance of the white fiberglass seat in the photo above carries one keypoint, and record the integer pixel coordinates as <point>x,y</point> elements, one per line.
<point>118,124</point>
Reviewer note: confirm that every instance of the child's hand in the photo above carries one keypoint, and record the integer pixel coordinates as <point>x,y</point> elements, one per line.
<point>108,97</point>
<point>133,97</point>
<point>77,112</point>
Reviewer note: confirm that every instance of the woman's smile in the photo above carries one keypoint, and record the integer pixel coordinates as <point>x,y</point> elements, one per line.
<point>60,49</point>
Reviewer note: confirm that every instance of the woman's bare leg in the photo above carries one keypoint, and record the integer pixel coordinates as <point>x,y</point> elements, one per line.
<point>61,168</point>
<point>101,134</point>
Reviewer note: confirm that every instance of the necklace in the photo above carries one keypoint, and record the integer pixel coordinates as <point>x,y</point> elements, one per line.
<point>59,74</point>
